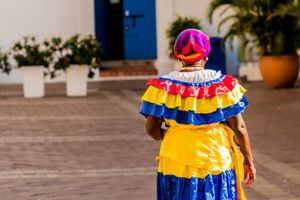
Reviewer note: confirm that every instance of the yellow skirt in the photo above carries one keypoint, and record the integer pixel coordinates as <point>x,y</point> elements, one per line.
<point>204,159</point>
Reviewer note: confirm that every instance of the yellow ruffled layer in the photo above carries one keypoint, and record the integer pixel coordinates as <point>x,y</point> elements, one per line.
<point>205,106</point>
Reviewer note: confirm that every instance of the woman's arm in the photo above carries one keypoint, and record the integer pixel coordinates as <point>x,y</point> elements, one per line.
<point>153,128</point>
<point>241,138</point>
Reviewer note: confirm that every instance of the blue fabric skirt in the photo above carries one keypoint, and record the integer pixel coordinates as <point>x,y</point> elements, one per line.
<point>212,187</point>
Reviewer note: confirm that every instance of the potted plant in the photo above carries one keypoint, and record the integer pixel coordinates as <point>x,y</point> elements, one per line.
<point>272,27</point>
<point>32,58</point>
<point>78,56</point>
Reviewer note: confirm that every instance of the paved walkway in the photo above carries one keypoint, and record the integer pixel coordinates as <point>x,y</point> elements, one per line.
<point>95,148</point>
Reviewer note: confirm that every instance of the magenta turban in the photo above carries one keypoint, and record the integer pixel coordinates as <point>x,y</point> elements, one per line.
<point>191,46</point>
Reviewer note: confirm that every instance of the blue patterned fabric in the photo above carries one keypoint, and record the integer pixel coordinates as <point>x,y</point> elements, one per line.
<point>213,187</point>
<point>207,83</point>
<point>190,117</point>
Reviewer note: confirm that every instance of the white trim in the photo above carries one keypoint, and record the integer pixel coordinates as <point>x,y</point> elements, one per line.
<point>194,77</point>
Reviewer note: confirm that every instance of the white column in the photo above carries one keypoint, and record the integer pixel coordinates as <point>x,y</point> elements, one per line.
<point>87,16</point>
<point>164,16</point>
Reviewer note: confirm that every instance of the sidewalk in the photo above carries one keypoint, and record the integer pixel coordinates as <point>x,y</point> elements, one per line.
<point>95,148</point>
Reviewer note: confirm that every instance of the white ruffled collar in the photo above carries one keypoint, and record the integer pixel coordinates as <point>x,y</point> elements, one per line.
<point>194,77</point>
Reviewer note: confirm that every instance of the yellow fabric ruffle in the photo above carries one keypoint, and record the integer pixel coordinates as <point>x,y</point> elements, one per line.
<point>203,105</point>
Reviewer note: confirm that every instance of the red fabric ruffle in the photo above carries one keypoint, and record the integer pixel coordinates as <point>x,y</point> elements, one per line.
<point>209,91</point>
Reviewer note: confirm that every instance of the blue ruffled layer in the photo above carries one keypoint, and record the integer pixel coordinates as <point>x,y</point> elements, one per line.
<point>207,83</point>
<point>213,187</point>
<point>183,117</point>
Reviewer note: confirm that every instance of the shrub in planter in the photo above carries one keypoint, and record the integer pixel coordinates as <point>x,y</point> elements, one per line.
<point>78,56</point>
<point>33,58</point>
<point>29,52</point>
<point>272,27</point>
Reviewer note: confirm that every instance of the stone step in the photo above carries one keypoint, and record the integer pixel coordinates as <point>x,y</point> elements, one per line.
<point>127,68</point>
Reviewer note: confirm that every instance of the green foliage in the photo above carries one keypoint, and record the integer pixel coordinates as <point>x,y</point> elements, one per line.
<point>180,24</point>
<point>77,50</point>
<point>54,54</point>
<point>4,64</point>
<point>28,52</point>
<point>271,26</point>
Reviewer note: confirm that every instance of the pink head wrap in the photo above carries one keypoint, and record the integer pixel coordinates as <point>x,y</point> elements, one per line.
<point>191,46</point>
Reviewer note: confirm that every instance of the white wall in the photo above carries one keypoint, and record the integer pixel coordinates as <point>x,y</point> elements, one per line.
<point>87,17</point>
<point>164,16</point>
<point>166,12</point>
<point>47,18</point>
<point>44,19</point>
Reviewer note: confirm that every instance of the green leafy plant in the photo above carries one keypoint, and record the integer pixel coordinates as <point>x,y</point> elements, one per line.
<point>77,50</point>
<point>177,26</point>
<point>29,52</point>
<point>272,27</point>
<point>4,64</point>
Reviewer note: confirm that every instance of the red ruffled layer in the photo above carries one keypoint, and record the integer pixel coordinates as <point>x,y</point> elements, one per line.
<point>209,91</point>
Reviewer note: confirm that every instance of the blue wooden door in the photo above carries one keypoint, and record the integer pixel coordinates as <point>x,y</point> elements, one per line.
<point>139,21</point>
<point>217,59</point>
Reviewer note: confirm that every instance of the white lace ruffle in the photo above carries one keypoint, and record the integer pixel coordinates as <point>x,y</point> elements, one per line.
<point>194,77</point>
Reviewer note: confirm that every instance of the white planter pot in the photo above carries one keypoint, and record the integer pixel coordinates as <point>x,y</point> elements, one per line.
<point>33,81</point>
<point>77,80</point>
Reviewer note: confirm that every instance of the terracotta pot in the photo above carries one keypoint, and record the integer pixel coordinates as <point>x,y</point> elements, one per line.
<point>279,71</point>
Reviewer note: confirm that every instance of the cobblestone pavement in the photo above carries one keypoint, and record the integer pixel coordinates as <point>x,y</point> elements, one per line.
<point>95,148</point>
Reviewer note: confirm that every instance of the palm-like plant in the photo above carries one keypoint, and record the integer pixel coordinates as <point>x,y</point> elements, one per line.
<point>272,26</point>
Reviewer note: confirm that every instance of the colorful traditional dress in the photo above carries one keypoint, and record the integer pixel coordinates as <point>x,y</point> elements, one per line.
<point>198,159</point>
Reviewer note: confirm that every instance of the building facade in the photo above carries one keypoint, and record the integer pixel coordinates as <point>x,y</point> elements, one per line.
<point>48,18</point>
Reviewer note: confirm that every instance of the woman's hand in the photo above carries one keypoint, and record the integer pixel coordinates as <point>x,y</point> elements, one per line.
<point>250,173</point>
